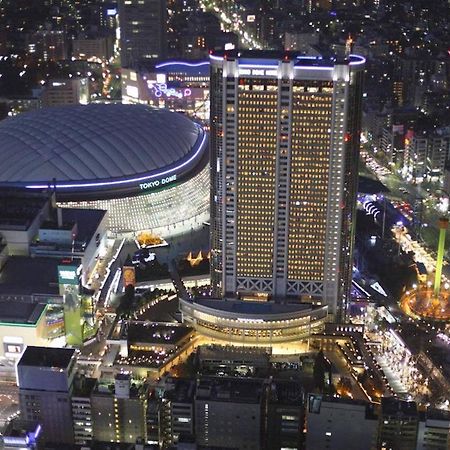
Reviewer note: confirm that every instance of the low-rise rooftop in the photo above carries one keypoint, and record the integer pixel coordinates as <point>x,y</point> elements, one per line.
<point>24,275</point>
<point>392,406</point>
<point>46,357</point>
<point>235,354</point>
<point>180,390</point>
<point>20,313</point>
<point>229,389</point>
<point>253,307</point>
<point>155,334</point>
<point>18,210</point>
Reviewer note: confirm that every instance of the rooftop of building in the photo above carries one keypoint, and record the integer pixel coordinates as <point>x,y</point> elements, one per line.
<point>21,313</point>
<point>271,57</point>
<point>24,275</point>
<point>365,406</point>
<point>342,400</point>
<point>220,352</point>
<point>18,210</point>
<point>87,221</point>
<point>229,389</point>
<point>287,392</point>
<point>106,388</point>
<point>253,307</point>
<point>90,145</point>
<point>391,406</point>
<point>437,414</point>
<point>46,357</point>
<point>151,333</point>
<point>124,376</point>
<point>180,390</point>
<point>83,386</point>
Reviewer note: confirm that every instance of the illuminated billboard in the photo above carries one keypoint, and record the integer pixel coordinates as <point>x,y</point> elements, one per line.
<point>129,276</point>
<point>69,288</point>
<point>67,275</point>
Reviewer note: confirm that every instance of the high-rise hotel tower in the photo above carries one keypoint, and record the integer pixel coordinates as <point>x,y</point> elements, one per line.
<point>284,165</point>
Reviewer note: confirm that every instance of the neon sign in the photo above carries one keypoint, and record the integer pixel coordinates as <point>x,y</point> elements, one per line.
<point>160,89</point>
<point>157,183</point>
<point>131,180</point>
<point>182,63</point>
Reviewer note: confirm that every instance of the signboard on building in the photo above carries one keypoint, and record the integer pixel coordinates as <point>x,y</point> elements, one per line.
<point>129,276</point>
<point>67,275</point>
<point>69,289</point>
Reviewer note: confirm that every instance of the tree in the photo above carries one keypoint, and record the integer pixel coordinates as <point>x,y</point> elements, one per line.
<point>126,304</point>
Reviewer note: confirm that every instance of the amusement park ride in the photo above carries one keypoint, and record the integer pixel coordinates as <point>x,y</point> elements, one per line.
<point>430,300</point>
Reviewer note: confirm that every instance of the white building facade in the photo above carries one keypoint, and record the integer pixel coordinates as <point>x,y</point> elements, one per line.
<point>284,149</point>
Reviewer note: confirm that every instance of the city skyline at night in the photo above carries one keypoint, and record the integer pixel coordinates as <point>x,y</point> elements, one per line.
<point>223,224</point>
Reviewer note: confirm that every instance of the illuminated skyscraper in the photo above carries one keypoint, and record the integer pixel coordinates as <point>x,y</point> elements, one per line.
<point>284,166</point>
<point>143,25</point>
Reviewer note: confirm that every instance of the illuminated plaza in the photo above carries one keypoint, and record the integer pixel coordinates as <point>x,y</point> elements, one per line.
<point>421,302</point>
<point>429,300</point>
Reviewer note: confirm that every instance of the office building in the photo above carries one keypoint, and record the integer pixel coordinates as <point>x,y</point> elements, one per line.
<point>426,153</point>
<point>119,410</point>
<point>228,413</point>
<point>284,163</point>
<point>142,30</point>
<point>48,45</point>
<point>176,412</point>
<point>97,49</point>
<point>45,378</point>
<point>328,419</point>
<point>434,430</point>
<point>61,92</point>
<point>81,409</point>
<point>398,424</point>
<point>285,415</point>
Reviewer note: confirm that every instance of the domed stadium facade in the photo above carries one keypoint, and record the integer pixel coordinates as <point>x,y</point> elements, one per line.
<point>148,167</point>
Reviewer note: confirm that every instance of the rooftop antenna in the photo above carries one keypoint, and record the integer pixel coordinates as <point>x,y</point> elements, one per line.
<point>349,46</point>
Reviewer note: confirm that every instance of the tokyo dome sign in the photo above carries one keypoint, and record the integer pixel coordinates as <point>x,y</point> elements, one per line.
<point>157,183</point>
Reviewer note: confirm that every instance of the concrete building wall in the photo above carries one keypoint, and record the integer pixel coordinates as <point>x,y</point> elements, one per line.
<point>118,419</point>
<point>433,434</point>
<point>228,424</point>
<point>327,427</point>
<point>73,91</point>
<point>52,410</point>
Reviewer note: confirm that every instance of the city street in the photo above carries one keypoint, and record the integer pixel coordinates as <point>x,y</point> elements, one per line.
<point>426,210</point>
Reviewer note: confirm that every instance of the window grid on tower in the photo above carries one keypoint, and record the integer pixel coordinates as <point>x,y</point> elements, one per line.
<point>311,123</point>
<point>256,160</point>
